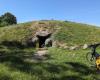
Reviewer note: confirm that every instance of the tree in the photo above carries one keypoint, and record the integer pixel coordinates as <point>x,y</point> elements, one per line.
<point>0,19</point>
<point>8,19</point>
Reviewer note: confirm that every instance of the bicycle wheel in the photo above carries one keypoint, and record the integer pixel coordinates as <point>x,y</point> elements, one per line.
<point>90,59</point>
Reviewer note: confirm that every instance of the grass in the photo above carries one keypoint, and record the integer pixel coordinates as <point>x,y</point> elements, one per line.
<point>18,64</point>
<point>77,34</point>
<point>70,33</point>
<point>15,32</point>
<point>61,65</point>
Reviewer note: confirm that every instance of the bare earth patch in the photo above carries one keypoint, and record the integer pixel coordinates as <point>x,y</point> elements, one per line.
<point>41,54</point>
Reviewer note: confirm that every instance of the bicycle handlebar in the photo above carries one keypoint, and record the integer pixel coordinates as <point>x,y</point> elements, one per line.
<point>94,45</point>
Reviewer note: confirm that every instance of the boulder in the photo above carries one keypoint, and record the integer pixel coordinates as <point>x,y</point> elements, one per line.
<point>48,42</point>
<point>54,44</point>
<point>42,33</point>
<point>32,42</point>
<point>34,39</point>
<point>85,46</point>
<point>66,47</point>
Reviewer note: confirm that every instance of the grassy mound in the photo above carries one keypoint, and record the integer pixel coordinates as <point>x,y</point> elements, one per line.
<point>18,62</point>
<point>68,32</point>
<point>76,33</point>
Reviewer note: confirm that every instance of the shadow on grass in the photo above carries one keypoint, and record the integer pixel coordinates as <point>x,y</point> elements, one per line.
<point>38,68</point>
<point>80,68</point>
<point>5,77</point>
<point>68,78</point>
<point>12,44</point>
<point>17,44</point>
<point>44,70</point>
<point>15,52</point>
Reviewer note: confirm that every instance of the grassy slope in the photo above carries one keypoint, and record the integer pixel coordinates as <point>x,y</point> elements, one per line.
<point>14,32</point>
<point>68,32</point>
<point>76,33</point>
<point>61,64</point>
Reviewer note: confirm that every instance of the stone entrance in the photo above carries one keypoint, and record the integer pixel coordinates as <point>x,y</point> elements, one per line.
<point>44,39</point>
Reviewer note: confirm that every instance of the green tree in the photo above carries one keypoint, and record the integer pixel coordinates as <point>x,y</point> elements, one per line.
<point>8,19</point>
<point>0,21</point>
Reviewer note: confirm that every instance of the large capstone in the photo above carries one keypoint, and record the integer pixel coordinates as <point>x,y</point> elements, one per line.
<point>43,33</point>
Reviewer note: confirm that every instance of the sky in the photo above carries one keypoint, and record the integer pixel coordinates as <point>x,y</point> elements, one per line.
<point>82,11</point>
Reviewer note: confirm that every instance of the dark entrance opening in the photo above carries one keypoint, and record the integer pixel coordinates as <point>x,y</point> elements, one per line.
<point>42,40</point>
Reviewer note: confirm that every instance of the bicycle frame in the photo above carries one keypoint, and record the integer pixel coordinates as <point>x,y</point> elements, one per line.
<point>95,55</point>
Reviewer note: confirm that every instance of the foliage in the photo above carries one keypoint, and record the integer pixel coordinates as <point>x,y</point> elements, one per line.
<point>0,21</point>
<point>7,19</point>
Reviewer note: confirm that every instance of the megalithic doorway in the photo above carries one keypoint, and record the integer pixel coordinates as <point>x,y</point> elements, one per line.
<point>42,40</point>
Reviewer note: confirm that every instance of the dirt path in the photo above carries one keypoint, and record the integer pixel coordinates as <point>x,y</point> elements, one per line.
<point>41,54</point>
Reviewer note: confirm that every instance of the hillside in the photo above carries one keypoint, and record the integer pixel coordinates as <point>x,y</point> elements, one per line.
<point>67,32</point>
<point>17,60</point>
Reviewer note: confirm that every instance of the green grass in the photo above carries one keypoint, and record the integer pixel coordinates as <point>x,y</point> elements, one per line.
<point>77,34</point>
<point>70,33</point>
<point>61,65</point>
<point>18,64</point>
<point>15,32</point>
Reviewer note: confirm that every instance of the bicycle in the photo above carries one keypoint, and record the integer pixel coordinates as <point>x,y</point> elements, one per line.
<point>93,57</point>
